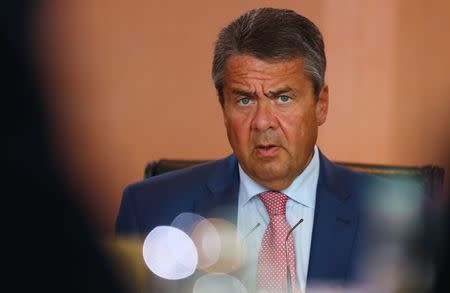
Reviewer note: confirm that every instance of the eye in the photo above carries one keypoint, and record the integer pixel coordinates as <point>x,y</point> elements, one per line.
<point>284,99</point>
<point>244,101</point>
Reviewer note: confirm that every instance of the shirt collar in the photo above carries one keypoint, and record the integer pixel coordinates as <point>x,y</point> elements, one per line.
<point>302,189</point>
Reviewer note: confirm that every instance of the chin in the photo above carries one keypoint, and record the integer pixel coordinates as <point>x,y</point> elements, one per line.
<point>270,174</point>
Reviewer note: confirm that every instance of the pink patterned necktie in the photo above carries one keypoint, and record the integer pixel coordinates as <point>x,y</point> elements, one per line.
<point>271,273</point>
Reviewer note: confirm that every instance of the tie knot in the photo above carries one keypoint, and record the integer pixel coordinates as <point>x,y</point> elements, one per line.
<point>275,202</point>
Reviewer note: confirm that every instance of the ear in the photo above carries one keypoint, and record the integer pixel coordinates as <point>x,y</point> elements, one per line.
<point>322,106</point>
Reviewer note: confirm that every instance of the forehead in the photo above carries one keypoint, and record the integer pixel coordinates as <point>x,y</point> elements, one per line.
<point>244,69</point>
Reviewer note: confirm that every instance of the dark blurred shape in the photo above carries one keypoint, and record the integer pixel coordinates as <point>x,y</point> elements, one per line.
<point>439,232</point>
<point>49,243</point>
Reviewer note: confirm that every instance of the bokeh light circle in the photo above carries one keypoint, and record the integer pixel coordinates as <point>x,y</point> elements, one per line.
<point>218,283</point>
<point>225,245</point>
<point>187,222</point>
<point>170,253</point>
<point>205,236</point>
<point>208,243</point>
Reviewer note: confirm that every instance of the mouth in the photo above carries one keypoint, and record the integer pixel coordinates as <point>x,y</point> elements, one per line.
<point>266,149</point>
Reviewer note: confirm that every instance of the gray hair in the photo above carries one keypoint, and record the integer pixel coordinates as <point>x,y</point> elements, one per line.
<point>271,34</point>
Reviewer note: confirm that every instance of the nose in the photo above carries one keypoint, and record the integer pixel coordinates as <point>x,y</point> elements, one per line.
<point>264,116</point>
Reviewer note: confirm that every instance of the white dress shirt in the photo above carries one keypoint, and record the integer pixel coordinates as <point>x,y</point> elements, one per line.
<point>300,205</point>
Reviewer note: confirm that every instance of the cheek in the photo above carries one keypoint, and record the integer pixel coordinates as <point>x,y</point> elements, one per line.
<point>237,128</point>
<point>297,129</point>
<point>293,124</point>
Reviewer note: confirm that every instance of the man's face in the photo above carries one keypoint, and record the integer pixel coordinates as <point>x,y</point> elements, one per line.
<point>271,116</point>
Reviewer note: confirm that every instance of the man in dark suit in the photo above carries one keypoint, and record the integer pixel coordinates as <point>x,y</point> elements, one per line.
<point>268,69</point>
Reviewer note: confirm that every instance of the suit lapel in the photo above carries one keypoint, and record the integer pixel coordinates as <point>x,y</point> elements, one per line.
<point>335,225</point>
<point>222,189</point>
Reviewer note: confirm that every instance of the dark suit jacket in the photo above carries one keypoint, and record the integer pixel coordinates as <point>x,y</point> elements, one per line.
<point>211,190</point>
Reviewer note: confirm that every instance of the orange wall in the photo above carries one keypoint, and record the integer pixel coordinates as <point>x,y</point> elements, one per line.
<point>129,82</point>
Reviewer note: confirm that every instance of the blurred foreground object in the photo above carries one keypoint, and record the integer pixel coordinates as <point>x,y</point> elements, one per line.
<point>50,244</point>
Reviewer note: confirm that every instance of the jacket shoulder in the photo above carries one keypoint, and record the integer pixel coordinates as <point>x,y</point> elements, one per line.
<point>347,181</point>
<point>157,200</point>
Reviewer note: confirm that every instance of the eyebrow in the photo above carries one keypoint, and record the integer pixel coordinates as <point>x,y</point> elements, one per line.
<point>243,92</point>
<point>275,93</point>
<point>278,92</point>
